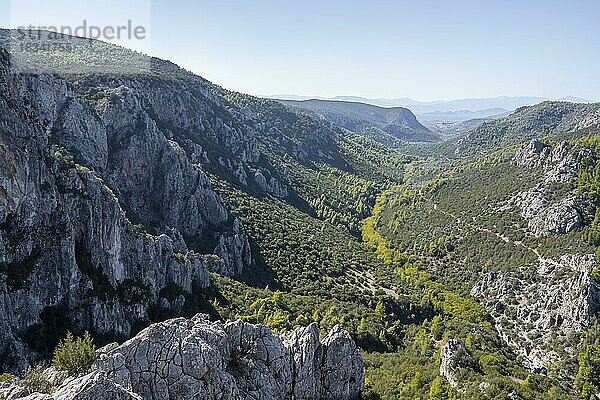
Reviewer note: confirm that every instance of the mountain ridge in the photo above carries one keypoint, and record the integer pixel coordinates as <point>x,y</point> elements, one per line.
<point>127,199</point>
<point>398,122</point>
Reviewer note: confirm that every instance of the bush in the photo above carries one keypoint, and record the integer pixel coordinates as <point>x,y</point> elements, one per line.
<point>35,381</point>
<point>6,377</point>
<point>74,356</point>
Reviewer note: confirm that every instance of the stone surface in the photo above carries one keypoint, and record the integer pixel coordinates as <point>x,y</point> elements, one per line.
<point>184,358</point>
<point>93,386</point>
<point>537,308</point>
<point>453,357</point>
<point>199,359</point>
<point>546,206</point>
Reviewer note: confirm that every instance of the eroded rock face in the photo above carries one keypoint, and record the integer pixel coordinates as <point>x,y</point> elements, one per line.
<point>105,220</point>
<point>93,386</point>
<point>234,250</point>
<point>69,255</point>
<point>453,357</point>
<point>537,308</point>
<point>185,358</point>
<point>548,213</point>
<point>199,359</point>
<point>552,206</point>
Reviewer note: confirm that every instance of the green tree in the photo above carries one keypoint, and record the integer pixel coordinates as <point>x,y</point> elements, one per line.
<point>74,355</point>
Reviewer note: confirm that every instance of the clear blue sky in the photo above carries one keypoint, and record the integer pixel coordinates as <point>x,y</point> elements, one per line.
<point>421,49</point>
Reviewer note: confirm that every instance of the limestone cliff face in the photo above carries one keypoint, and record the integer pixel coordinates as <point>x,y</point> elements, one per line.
<point>105,219</point>
<point>453,357</point>
<point>552,206</point>
<point>538,308</point>
<point>198,359</point>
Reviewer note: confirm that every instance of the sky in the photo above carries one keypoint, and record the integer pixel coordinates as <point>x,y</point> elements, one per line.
<point>424,49</point>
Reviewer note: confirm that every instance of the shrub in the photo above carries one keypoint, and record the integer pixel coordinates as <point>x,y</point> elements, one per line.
<point>6,377</point>
<point>74,355</point>
<point>35,381</point>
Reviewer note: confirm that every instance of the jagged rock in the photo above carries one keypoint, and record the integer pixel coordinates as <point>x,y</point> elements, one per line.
<point>12,391</point>
<point>329,370</point>
<point>93,386</point>
<point>108,214</point>
<point>183,358</point>
<point>234,250</point>
<point>304,345</point>
<point>546,214</point>
<point>342,371</point>
<point>544,302</point>
<point>548,210</point>
<point>558,164</point>
<point>272,185</point>
<point>198,359</point>
<point>532,155</point>
<point>453,357</point>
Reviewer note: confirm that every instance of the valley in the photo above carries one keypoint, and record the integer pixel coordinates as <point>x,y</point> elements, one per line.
<point>456,267</point>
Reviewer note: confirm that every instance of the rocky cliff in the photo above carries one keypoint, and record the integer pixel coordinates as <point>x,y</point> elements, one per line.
<point>108,219</point>
<point>91,232</point>
<point>552,206</point>
<point>454,357</point>
<point>107,216</point>
<point>199,359</point>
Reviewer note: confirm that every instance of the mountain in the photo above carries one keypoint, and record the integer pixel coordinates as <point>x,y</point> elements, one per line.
<point>451,129</point>
<point>390,126</point>
<point>463,115</point>
<point>135,195</point>
<point>547,119</point>
<point>475,104</point>
<point>449,110</point>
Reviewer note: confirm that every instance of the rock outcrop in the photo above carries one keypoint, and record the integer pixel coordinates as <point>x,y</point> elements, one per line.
<point>453,358</point>
<point>552,206</point>
<point>107,218</point>
<point>538,308</point>
<point>199,359</point>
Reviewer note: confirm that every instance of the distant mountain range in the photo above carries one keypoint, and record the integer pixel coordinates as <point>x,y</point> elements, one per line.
<point>387,125</point>
<point>446,110</point>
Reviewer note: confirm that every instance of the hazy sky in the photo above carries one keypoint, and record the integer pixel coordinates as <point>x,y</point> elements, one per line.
<point>421,49</point>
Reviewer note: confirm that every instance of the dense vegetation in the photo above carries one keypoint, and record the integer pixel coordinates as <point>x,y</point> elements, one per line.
<point>312,268</point>
<point>385,244</point>
<point>589,183</point>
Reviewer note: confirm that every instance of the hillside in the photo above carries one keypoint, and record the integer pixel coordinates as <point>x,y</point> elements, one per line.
<point>139,193</point>
<point>390,126</point>
<point>455,128</point>
<point>546,119</point>
<point>517,231</point>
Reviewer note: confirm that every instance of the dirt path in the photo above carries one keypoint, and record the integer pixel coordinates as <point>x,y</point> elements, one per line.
<point>369,282</point>
<point>474,226</point>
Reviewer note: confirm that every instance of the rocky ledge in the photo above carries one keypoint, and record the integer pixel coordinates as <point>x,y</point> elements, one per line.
<point>543,307</point>
<point>200,359</point>
<point>553,206</point>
